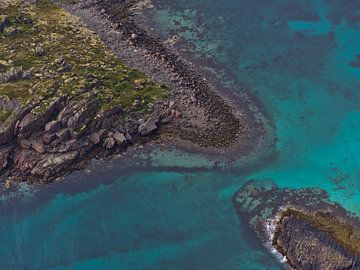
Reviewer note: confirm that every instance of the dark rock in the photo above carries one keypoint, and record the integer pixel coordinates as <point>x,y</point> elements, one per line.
<point>53,126</point>
<point>128,137</point>
<point>26,144</point>
<point>95,138</point>
<point>49,137</point>
<point>4,22</point>
<point>31,124</point>
<point>119,138</point>
<point>27,74</point>
<point>4,157</point>
<point>63,134</point>
<point>38,147</point>
<point>52,164</point>
<point>356,62</point>
<point>109,143</point>
<point>148,126</point>
<point>15,73</point>
<point>39,50</point>
<point>26,121</point>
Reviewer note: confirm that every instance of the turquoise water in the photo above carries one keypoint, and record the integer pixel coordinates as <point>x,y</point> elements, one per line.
<point>294,56</point>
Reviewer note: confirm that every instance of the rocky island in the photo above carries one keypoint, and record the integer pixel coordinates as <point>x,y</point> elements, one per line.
<point>80,79</point>
<point>302,227</point>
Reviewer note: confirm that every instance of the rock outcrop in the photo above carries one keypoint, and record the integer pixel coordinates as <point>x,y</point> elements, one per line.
<point>303,226</point>
<point>66,96</point>
<point>71,102</point>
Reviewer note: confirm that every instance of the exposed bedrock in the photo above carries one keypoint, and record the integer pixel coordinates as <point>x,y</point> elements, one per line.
<point>302,225</point>
<point>68,97</point>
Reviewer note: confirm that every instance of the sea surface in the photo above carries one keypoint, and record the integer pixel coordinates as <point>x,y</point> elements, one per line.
<point>176,212</point>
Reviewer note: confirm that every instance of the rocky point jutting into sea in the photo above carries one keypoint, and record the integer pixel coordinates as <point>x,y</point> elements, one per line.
<point>302,226</point>
<point>69,90</point>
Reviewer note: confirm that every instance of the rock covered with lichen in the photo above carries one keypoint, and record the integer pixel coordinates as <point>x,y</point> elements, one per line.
<point>64,96</point>
<point>302,226</point>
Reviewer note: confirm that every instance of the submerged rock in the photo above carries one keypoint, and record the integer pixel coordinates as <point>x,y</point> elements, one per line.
<point>303,226</point>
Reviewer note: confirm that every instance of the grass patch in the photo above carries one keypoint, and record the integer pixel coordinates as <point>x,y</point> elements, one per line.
<point>4,115</point>
<point>73,58</point>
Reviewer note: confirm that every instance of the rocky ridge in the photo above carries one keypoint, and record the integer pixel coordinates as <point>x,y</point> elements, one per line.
<point>203,116</point>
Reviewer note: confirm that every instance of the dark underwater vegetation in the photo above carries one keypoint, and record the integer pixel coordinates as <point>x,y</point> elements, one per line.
<point>300,59</point>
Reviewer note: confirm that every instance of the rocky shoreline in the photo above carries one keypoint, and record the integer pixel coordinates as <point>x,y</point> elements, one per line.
<point>41,145</point>
<point>206,118</point>
<point>302,227</point>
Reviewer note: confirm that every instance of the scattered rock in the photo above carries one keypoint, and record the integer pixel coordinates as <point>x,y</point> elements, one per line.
<point>4,22</point>
<point>27,74</point>
<point>53,126</point>
<point>119,138</point>
<point>356,62</point>
<point>39,50</point>
<point>38,147</point>
<point>28,118</point>
<point>95,138</point>
<point>109,143</point>
<point>63,134</point>
<point>128,137</point>
<point>26,144</point>
<point>7,184</point>
<point>4,157</point>
<point>15,73</point>
<point>149,126</point>
<point>49,137</point>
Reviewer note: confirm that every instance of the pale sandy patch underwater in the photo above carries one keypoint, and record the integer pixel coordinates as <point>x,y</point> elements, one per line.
<point>295,56</point>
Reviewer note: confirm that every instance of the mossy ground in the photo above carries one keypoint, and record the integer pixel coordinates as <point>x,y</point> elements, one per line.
<point>89,63</point>
<point>338,230</point>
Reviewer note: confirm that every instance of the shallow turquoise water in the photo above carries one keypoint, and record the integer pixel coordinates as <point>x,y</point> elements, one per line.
<point>294,55</point>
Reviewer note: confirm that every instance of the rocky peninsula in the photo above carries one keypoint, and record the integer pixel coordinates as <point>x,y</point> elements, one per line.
<point>80,79</point>
<point>304,228</point>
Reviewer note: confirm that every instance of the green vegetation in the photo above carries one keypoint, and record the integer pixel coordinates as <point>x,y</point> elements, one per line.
<point>4,114</point>
<point>338,230</point>
<point>62,58</point>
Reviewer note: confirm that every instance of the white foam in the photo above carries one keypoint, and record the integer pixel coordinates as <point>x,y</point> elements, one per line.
<point>270,228</point>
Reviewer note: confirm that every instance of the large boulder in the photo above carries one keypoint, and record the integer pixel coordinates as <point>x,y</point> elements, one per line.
<point>148,126</point>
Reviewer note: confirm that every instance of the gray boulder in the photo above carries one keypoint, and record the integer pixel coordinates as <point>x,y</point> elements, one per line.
<point>119,138</point>
<point>148,126</point>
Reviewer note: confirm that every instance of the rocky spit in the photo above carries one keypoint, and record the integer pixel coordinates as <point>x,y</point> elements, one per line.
<point>43,146</point>
<point>302,227</point>
<point>204,116</point>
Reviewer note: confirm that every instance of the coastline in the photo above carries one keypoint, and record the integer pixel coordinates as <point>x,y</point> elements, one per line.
<point>200,116</point>
<point>165,65</point>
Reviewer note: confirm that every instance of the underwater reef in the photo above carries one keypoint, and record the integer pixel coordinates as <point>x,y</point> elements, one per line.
<point>303,227</point>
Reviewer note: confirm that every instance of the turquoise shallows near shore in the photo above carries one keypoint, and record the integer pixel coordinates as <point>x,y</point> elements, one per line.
<point>295,57</point>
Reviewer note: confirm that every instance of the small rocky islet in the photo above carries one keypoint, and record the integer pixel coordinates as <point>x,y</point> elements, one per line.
<point>66,95</point>
<point>303,227</point>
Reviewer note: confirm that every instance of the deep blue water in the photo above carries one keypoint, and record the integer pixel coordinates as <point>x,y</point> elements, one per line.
<point>294,56</point>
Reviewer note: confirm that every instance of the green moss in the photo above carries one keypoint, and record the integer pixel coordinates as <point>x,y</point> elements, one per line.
<point>87,59</point>
<point>4,115</point>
